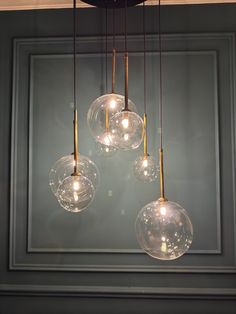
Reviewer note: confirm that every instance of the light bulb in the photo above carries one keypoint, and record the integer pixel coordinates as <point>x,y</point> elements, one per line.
<point>164,230</point>
<point>64,167</point>
<point>146,169</point>
<point>105,150</point>
<point>108,104</point>
<point>125,123</point>
<point>126,130</point>
<point>75,193</point>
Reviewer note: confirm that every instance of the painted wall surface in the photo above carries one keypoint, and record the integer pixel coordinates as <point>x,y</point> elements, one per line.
<point>55,262</point>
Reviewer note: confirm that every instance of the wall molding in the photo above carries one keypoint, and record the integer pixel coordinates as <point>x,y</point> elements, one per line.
<point>32,249</point>
<point>16,264</point>
<point>118,292</point>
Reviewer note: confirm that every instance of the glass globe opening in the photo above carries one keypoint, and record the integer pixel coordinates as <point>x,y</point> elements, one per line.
<point>164,230</point>
<point>126,130</point>
<point>75,193</point>
<point>101,111</point>
<point>64,167</point>
<point>146,169</point>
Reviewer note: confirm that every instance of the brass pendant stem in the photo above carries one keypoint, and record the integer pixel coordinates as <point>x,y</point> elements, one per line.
<point>113,70</point>
<point>126,81</point>
<point>107,120</point>
<point>145,135</point>
<point>162,188</point>
<point>76,150</point>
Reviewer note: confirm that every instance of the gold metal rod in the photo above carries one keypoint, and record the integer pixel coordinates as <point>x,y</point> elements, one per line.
<point>126,81</point>
<point>107,119</point>
<point>76,150</point>
<point>145,135</point>
<point>113,70</point>
<point>162,189</point>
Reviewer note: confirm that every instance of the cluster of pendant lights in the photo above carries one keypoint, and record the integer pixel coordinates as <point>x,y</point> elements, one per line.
<point>163,228</point>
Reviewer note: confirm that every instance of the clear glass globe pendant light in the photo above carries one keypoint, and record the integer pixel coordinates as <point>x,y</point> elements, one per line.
<point>126,126</point>
<point>163,228</point>
<point>104,107</point>
<point>145,167</point>
<point>75,189</point>
<point>104,145</point>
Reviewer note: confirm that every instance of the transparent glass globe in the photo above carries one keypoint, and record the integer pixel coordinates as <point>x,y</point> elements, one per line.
<point>126,129</point>
<point>75,193</point>
<point>108,104</point>
<point>64,167</point>
<point>164,230</point>
<point>146,168</point>
<point>105,150</point>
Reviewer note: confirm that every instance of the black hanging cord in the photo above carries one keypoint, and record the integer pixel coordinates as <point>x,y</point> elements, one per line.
<point>126,26</point>
<point>160,71</point>
<point>126,63</point>
<point>144,85</point>
<point>74,54</point>
<point>113,26</point>
<point>144,60</point>
<point>106,66</point>
<point>75,122</point>
<point>113,51</point>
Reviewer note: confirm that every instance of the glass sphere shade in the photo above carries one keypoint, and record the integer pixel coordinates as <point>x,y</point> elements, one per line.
<point>75,193</point>
<point>64,167</point>
<point>108,104</point>
<point>105,150</point>
<point>126,129</point>
<point>164,230</point>
<point>146,169</point>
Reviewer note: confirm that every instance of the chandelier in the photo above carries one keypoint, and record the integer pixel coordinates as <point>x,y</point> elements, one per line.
<point>163,228</point>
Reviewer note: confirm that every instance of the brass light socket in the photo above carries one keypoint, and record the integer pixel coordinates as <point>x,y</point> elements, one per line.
<point>145,135</point>
<point>162,187</point>
<point>126,80</point>
<point>76,150</point>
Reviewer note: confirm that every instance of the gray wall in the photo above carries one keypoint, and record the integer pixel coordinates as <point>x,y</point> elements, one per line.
<point>50,261</point>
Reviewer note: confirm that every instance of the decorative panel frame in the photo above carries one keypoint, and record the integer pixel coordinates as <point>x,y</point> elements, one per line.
<point>221,47</point>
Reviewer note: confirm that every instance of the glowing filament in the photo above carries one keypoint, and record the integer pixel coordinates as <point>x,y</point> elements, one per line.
<point>107,140</point>
<point>125,123</point>
<point>163,211</point>
<point>126,137</point>
<point>112,104</point>
<point>76,186</point>
<point>76,198</point>
<point>145,163</point>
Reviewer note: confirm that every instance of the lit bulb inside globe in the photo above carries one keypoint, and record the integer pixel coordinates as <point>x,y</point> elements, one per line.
<point>164,230</point>
<point>64,167</point>
<point>103,107</point>
<point>75,193</point>
<point>105,150</point>
<point>106,139</point>
<point>125,123</point>
<point>146,169</point>
<point>126,130</point>
<point>113,104</point>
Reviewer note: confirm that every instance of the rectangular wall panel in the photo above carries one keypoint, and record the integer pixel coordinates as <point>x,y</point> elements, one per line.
<point>195,167</point>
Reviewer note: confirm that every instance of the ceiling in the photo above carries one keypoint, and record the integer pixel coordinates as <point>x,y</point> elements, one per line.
<point>6,5</point>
